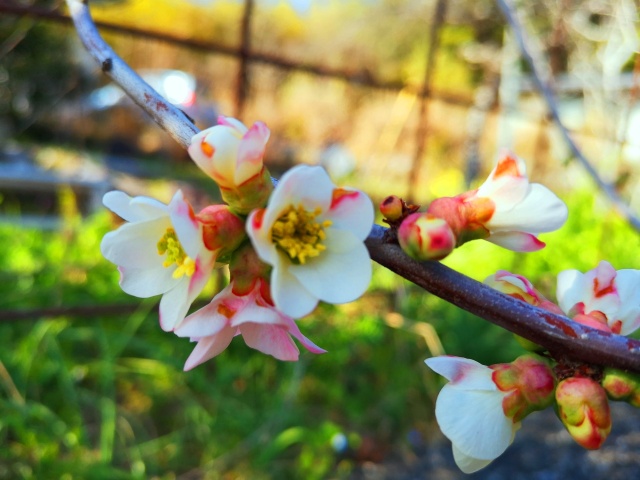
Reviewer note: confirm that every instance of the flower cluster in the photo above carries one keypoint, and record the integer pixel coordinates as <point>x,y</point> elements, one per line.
<point>480,408</point>
<point>506,210</point>
<point>297,243</point>
<point>287,247</point>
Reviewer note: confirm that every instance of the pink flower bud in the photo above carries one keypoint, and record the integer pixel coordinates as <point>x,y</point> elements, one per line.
<point>223,231</point>
<point>529,382</point>
<point>425,237</point>
<point>623,386</point>
<point>583,408</point>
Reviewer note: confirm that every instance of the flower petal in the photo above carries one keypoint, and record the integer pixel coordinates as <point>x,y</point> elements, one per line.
<point>134,244</point>
<point>295,332</point>
<point>628,285</point>
<point>186,226</point>
<point>351,210</point>
<point>209,347</point>
<point>474,421</point>
<point>134,209</point>
<point>516,241</point>
<point>270,339</point>
<point>463,372</point>
<point>260,235</point>
<point>539,211</point>
<point>507,183</point>
<point>146,282</point>
<point>250,152</point>
<point>203,323</point>
<point>341,273</point>
<point>466,463</point>
<point>174,306</point>
<point>289,295</point>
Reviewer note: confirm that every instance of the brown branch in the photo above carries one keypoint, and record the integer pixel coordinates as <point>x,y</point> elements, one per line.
<point>543,82</point>
<point>556,333</point>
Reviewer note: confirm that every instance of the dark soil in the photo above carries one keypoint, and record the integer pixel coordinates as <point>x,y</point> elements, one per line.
<point>542,450</point>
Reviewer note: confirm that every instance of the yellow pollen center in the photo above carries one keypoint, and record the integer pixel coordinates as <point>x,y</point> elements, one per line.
<point>170,245</point>
<point>298,234</point>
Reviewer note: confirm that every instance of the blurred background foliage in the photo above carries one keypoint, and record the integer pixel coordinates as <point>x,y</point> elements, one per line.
<point>103,395</point>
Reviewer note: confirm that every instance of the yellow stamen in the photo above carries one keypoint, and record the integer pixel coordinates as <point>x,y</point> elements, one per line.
<point>298,234</point>
<point>170,245</point>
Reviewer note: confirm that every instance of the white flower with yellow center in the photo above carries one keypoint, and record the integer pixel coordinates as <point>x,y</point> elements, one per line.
<point>312,234</point>
<point>160,251</point>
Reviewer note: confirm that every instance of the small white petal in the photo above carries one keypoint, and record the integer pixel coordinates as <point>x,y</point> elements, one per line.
<point>463,372</point>
<point>174,306</point>
<point>474,421</point>
<point>539,211</point>
<point>466,463</point>
<point>289,296</point>
<point>135,209</point>
<point>354,212</point>
<point>134,245</point>
<point>146,282</point>
<point>341,273</point>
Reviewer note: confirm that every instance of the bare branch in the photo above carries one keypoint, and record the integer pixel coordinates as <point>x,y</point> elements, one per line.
<point>170,118</point>
<point>558,334</point>
<point>543,81</point>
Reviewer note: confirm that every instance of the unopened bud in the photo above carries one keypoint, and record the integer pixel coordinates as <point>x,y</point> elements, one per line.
<point>223,231</point>
<point>425,237</point>
<point>530,383</point>
<point>622,386</point>
<point>583,408</point>
<point>392,208</point>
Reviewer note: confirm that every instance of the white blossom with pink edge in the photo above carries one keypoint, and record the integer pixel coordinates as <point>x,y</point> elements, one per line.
<point>229,152</point>
<point>312,234</point>
<point>470,414</point>
<point>522,209</point>
<point>260,324</point>
<point>179,273</point>
<point>616,294</point>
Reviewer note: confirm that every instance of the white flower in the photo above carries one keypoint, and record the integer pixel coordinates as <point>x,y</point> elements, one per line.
<point>521,210</point>
<point>469,412</point>
<point>615,294</point>
<point>159,251</point>
<point>312,234</point>
<point>230,153</point>
<point>232,313</point>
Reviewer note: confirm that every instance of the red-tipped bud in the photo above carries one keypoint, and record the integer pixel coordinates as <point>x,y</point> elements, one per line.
<point>530,383</point>
<point>583,408</point>
<point>223,231</point>
<point>392,208</point>
<point>425,237</point>
<point>622,386</point>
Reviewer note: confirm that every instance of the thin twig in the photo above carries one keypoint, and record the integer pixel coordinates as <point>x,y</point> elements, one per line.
<point>556,333</point>
<point>423,120</point>
<point>542,81</point>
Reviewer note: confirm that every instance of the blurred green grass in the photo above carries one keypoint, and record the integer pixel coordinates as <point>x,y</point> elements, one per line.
<point>106,397</point>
